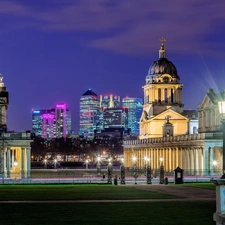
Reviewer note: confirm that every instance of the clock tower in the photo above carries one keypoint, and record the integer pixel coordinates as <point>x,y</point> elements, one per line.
<point>4,101</point>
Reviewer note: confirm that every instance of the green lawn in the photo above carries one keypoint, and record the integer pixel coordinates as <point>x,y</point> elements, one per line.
<point>75,192</point>
<point>133,213</point>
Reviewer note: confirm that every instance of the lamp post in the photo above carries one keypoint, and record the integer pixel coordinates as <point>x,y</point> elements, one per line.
<point>45,163</point>
<point>98,165</point>
<point>15,163</point>
<point>55,162</point>
<point>134,158</point>
<point>110,168</point>
<point>221,106</point>
<point>86,162</point>
<point>215,163</point>
<point>148,169</point>
<point>161,171</point>
<point>122,169</point>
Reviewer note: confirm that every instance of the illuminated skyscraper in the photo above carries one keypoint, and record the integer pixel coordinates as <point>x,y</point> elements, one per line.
<point>134,106</point>
<point>90,114</point>
<point>52,123</point>
<point>109,101</point>
<point>115,118</point>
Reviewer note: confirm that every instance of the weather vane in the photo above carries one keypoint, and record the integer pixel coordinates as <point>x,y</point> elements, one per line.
<point>163,40</point>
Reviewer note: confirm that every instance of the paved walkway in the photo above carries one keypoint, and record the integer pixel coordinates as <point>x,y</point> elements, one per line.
<point>187,193</point>
<point>183,193</point>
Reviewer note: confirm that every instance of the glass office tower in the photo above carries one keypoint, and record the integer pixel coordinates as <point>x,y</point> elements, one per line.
<point>90,114</point>
<point>134,106</point>
<point>115,118</point>
<point>52,123</point>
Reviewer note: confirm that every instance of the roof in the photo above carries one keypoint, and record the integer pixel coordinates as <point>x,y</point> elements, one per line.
<point>191,114</point>
<point>89,92</point>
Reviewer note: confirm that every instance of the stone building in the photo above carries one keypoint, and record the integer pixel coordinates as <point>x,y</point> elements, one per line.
<point>170,135</point>
<point>14,147</point>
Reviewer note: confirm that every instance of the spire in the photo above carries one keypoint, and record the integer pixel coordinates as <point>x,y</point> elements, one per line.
<point>162,50</point>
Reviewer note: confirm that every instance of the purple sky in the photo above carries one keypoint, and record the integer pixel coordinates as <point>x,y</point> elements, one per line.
<point>52,51</point>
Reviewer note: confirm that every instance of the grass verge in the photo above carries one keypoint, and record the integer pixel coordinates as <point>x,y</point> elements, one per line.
<point>76,192</point>
<point>157,213</point>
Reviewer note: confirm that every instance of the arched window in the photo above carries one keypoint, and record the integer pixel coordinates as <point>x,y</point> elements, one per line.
<point>159,95</point>
<point>172,95</point>
<point>194,130</point>
<point>166,95</point>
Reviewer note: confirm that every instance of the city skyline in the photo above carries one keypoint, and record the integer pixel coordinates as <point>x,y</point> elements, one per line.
<point>53,52</point>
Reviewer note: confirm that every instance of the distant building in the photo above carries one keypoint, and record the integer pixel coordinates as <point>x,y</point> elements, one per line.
<point>109,101</point>
<point>134,106</point>
<point>115,118</point>
<point>52,123</point>
<point>90,114</point>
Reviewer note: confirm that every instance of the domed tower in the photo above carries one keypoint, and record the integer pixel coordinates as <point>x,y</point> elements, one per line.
<point>4,101</point>
<point>162,99</point>
<point>163,89</point>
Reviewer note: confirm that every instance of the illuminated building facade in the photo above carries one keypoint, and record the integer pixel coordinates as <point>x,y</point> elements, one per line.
<point>109,101</point>
<point>90,114</point>
<point>134,106</point>
<point>52,123</point>
<point>115,118</point>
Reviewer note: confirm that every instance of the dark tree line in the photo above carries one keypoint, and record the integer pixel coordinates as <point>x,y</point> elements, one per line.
<point>78,147</point>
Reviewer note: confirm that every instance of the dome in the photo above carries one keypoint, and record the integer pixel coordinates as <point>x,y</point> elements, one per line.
<point>162,66</point>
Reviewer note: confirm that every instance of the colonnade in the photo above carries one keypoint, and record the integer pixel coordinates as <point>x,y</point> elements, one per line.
<point>15,162</point>
<point>194,160</point>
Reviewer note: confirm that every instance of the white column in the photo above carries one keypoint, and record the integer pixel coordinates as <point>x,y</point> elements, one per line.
<point>28,162</point>
<point>8,162</point>
<point>22,161</point>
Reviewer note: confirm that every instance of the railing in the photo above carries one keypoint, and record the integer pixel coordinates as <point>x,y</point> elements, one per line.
<point>189,137</point>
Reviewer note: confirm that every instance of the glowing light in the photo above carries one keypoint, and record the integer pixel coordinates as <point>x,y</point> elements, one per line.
<point>134,158</point>
<point>15,163</point>
<point>215,163</point>
<point>161,159</point>
<point>98,158</point>
<point>36,111</point>
<point>146,158</point>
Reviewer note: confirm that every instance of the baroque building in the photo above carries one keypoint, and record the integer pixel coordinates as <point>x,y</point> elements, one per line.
<point>171,136</point>
<point>14,147</point>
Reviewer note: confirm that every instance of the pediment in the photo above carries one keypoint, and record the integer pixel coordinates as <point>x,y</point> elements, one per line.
<point>207,102</point>
<point>172,114</point>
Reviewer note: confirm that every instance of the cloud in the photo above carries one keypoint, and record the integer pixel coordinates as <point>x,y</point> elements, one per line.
<point>128,27</point>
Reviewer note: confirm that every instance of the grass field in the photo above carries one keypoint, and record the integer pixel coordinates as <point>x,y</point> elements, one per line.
<point>96,213</point>
<point>75,192</point>
<point>133,213</point>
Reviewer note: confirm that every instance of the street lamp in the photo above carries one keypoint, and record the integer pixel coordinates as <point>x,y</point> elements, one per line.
<point>134,158</point>
<point>110,168</point>
<point>122,169</point>
<point>161,171</point>
<point>214,163</point>
<point>147,169</point>
<point>45,163</point>
<point>15,163</point>
<point>55,161</point>
<point>221,106</point>
<point>98,165</point>
<point>86,162</point>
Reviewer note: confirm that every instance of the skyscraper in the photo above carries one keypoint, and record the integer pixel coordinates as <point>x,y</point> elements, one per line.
<point>90,114</point>
<point>109,101</point>
<point>115,118</point>
<point>134,106</point>
<point>52,123</point>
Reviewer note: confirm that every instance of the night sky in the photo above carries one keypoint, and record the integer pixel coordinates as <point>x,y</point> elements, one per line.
<point>52,51</point>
